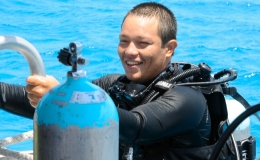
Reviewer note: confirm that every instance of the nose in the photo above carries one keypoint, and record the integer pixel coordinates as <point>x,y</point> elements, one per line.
<point>131,49</point>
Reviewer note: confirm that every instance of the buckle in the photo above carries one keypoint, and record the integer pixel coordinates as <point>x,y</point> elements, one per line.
<point>247,148</point>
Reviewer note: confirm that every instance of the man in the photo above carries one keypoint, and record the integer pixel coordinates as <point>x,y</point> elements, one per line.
<point>174,124</point>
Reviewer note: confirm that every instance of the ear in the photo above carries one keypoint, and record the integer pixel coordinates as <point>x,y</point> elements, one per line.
<point>170,47</point>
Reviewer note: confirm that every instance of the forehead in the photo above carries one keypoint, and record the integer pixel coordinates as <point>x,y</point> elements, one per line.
<point>134,24</point>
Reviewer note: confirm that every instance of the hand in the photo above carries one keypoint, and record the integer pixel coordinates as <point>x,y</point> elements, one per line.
<point>37,86</point>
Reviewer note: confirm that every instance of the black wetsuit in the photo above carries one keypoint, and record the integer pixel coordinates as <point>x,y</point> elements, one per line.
<point>162,129</point>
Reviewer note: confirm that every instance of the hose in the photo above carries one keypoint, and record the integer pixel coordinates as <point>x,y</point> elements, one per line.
<point>232,76</point>
<point>194,72</point>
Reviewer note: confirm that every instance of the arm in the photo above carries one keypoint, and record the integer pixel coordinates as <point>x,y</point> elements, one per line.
<point>36,87</point>
<point>14,100</point>
<point>178,110</point>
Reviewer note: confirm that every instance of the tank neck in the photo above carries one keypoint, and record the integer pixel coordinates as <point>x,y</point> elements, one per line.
<point>77,74</point>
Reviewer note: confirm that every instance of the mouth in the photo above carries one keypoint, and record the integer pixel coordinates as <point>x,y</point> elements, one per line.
<point>133,63</point>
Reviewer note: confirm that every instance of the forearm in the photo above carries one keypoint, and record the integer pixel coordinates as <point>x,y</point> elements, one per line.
<point>130,125</point>
<point>169,115</point>
<point>14,99</point>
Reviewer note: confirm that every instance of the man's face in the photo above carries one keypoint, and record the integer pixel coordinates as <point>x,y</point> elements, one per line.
<point>140,49</point>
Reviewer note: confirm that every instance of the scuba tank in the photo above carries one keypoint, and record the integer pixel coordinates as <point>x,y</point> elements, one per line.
<point>76,119</point>
<point>234,110</point>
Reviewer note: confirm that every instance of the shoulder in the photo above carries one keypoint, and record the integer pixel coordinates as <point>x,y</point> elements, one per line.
<point>184,91</point>
<point>185,97</point>
<point>106,81</point>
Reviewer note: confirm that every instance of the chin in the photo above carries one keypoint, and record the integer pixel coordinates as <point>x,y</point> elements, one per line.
<point>132,77</point>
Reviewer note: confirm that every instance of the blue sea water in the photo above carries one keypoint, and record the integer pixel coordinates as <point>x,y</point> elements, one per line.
<point>223,34</point>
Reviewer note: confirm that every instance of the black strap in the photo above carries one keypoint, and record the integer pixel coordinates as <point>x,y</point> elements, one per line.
<point>232,91</point>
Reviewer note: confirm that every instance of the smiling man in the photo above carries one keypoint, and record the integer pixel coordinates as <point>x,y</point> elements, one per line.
<point>172,124</point>
<point>141,49</point>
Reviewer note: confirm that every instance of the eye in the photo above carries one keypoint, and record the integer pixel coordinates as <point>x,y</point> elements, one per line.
<point>144,42</point>
<point>123,40</point>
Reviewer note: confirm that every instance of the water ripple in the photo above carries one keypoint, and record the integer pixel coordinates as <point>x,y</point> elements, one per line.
<point>253,75</point>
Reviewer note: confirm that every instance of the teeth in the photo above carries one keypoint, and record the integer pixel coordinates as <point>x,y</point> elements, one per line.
<point>133,63</point>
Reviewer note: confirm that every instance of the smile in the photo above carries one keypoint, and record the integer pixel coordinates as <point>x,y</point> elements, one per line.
<point>132,63</point>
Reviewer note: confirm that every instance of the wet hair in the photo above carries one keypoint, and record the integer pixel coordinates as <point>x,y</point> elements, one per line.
<point>167,27</point>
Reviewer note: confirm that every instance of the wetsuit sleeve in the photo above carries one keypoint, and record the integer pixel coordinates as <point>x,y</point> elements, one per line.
<point>176,111</point>
<point>14,100</point>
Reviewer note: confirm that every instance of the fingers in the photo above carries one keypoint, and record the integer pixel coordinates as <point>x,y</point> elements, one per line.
<point>34,99</point>
<point>34,94</point>
<point>38,86</point>
<point>33,104</point>
<point>35,80</point>
<point>37,90</point>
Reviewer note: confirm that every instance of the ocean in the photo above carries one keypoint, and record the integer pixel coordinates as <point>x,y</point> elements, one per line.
<point>223,34</point>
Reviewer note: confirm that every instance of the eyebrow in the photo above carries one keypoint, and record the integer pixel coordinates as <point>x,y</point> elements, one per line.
<point>139,37</point>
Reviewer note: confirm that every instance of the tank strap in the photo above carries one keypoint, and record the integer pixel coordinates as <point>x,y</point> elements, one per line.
<point>232,91</point>
<point>247,148</point>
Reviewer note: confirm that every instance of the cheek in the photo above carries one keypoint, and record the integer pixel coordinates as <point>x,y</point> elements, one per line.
<point>150,63</point>
<point>155,61</point>
<point>152,58</point>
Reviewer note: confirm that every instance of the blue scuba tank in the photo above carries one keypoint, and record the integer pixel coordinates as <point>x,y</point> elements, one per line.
<point>76,119</point>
